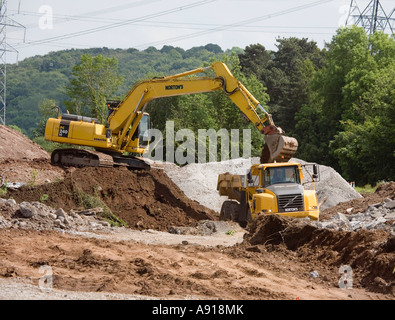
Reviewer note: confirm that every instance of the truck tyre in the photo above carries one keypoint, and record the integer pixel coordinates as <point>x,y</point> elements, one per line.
<point>229,211</point>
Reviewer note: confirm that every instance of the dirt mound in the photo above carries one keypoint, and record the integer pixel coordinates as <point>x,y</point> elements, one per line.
<point>383,191</point>
<point>142,199</point>
<point>370,254</point>
<point>16,146</point>
<point>22,161</point>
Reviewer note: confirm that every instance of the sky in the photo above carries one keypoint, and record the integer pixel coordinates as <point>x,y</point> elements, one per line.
<point>37,27</point>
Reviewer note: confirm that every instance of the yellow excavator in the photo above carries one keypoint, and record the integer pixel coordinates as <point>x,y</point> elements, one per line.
<point>127,122</point>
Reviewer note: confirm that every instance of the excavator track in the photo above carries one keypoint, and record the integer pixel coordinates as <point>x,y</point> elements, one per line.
<point>87,158</point>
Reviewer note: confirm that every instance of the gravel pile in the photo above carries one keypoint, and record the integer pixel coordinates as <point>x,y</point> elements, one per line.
<point>199,181</point>
<point>377,216</point>
<point>38,216</point>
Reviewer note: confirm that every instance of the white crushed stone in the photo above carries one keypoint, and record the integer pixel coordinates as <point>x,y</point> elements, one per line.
<point>199,181</point>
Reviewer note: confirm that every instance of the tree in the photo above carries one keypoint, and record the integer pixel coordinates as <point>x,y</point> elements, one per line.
<point>349,118</point>
<point>286,73</point>
<point>255,60</point>
<point>94,81</point>
<point>288,78</point>
<point>364,147</point>
<point>213,110</point>
<point>48,108</point>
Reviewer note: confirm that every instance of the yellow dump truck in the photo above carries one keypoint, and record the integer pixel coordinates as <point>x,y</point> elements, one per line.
<point>269,188</point>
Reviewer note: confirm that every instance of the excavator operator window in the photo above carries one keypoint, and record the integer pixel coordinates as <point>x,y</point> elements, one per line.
<point>144,126</point>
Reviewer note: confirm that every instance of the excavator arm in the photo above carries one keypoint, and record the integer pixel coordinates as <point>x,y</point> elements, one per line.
<point>134,104</point>
<point>119,135</point>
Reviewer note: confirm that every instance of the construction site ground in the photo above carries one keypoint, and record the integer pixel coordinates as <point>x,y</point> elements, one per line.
<point>275,258</point>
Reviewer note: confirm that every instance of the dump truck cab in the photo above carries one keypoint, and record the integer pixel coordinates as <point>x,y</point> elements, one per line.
<point>269,188</point>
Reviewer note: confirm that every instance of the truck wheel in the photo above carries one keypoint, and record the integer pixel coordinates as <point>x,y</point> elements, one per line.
<point>229,211</point>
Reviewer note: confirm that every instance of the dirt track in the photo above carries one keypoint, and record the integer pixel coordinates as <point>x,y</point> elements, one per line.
<point>275,259</point>
<point>161,271</point>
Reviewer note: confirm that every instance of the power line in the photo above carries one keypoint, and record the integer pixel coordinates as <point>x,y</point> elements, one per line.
<point>89,16</point>
<point>233,25</point>
<point>117,24</point>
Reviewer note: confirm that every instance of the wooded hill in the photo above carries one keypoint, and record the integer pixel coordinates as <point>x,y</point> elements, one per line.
<point>339,102</point>
<point>45,77</point>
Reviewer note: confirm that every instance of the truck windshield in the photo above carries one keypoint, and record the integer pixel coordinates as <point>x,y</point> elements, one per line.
<point>281,175</point>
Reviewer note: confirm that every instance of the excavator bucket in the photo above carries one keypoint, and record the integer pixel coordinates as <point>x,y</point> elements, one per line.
<point>278,148</point>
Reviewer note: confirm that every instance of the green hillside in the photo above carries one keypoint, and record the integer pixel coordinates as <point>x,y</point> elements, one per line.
<point>339,102</point>
<point>44,77</point>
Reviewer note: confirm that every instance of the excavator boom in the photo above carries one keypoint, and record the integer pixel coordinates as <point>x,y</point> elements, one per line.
<point>120,135</point>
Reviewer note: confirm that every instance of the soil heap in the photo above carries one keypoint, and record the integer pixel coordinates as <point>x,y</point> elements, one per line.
<point>23,161</point>
<point>16,146</point>
<point>369,255</point>
<point>142,199</point>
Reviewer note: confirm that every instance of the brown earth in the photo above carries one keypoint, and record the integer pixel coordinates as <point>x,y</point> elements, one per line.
<point>274,261</point>
<point>370,254</point>
<point>24,161</point>
<point>143,199</point>
<point>82,264</point>
<point>16,146</point>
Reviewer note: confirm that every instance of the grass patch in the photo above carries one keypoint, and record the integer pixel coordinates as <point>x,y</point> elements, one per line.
<point>89,201</point>
<point>44,197</point>
<point>367,188</point>
<point>3,190</point>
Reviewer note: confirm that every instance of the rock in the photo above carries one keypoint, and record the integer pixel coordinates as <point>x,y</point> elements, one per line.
<point>11,202</point>
<point>73,214</point>
<point>314,274</point>
<point>373,224</point>
<point>60,213</point>
<point>328,224</point>
<point>90,212</point>
<point>140,224</point>
<point>343,221</point>
<point>349,210</point>
<point>21,224</point>
<point>390,204</point>
<point>377,214</point>
<point>27,209</point>
<point>355,225</point>
<point>52,216</point>
<point>59,224</point>
<point>390,216</point>
<point>381,282</point>
<point>104,223</point>
<point>375,205</point>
